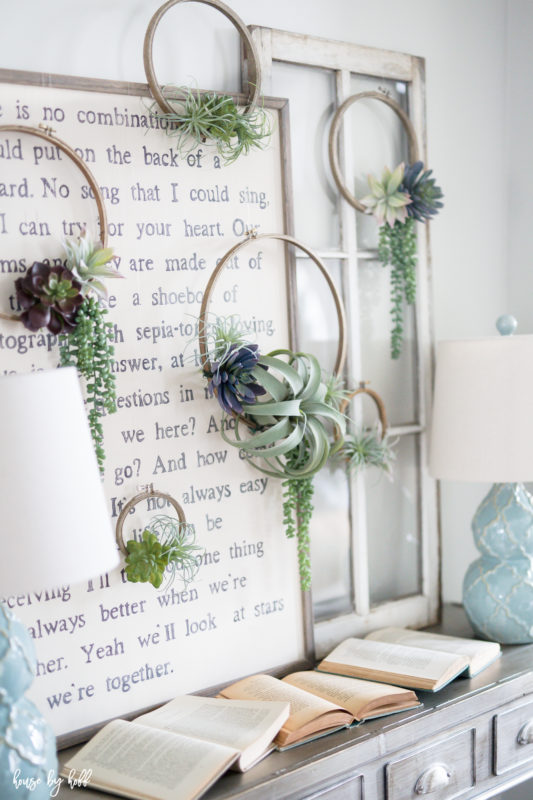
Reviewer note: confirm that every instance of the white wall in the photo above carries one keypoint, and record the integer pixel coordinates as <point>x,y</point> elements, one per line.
<point>464,43</point>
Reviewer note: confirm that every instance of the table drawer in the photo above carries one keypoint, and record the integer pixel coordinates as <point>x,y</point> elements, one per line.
<point>440,772</point>
<point>513,738</point>
<point>348,789</point>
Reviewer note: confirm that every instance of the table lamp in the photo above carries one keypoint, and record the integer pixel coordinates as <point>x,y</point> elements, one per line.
<point>56,531</point>
<point>482,430</point>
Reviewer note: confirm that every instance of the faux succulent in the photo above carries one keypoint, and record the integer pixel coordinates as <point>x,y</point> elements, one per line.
<point>89,263</point>
<point>211,117</point>
<point>424,193</point>
<point>232,379</point>
<point>50,297</point>
<point>167,546</point>
<point>401,197</point>
<point>387,201</point>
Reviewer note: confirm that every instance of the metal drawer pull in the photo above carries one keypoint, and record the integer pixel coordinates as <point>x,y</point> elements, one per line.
<point>525,734</point>
<point>435,777</point>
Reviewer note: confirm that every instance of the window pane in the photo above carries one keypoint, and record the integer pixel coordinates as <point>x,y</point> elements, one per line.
<point>393,525</point>
<point>393,379</point>
<point>311,95</point>
<point>330,527</point>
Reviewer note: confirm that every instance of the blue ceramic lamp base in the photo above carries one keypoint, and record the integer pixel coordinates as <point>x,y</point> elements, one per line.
<point>27,743</point>
<point>498,587</point>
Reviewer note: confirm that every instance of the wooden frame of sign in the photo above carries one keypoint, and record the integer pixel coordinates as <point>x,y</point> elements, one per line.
<point>111,648</point>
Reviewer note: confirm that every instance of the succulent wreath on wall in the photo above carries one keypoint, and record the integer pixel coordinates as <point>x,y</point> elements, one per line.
<point>70,301</point>
<point>289,415</point>
<point>398,199</point>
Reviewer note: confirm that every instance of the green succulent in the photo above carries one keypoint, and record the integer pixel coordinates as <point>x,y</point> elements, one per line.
<point>386,200</point>
<point>213,117</point>
<point>89,262</point>
<point>146,561</point>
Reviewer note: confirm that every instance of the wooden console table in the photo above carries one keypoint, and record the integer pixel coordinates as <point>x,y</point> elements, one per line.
<point>473,739</point>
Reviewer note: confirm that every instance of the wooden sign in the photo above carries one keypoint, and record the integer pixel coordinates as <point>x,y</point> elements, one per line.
<point>110,648</point>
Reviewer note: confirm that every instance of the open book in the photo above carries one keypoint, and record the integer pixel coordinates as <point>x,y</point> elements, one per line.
<point>480,654</point>
<point>395,663</point>
<point>179,750</point>
<point>321,704</point>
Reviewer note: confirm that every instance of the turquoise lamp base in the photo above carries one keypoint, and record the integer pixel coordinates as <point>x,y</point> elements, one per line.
<point>498,587</point>
<point>28,760</point>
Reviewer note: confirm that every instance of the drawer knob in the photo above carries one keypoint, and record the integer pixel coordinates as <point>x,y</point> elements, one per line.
<point>435,777</point>
<point>525,734</point>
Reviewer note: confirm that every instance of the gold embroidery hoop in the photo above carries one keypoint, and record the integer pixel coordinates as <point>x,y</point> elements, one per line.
<point>333,148</point>
<point>252,58</point>
<point>46,133</point>
<point>144,494</point>
<point>282,237</point>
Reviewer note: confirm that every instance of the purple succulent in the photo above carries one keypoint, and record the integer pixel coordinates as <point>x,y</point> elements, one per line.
<point>50,297</point>
<point>231,379</point>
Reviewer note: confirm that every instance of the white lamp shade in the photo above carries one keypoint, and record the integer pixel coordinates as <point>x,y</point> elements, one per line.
<point>482,428</point>
<point>55,524</point>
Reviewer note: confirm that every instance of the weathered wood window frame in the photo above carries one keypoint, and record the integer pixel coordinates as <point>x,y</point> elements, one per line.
<point>346,60</point>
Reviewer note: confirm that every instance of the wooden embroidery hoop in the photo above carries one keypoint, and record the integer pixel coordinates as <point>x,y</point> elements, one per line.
<point>252,236</point>
<point>46,133</point>
<point>333,148</point>
<point>380,405</point>
<point>144,494</point>
<point>252,58</point>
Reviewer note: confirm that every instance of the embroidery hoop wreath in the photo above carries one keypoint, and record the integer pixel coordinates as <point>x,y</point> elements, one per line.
<point>367,447</point>
<point>397,243</point>
<point>252,79</point>
<point>93,398</point>
<point>286,438</point>
<point>148,560</point>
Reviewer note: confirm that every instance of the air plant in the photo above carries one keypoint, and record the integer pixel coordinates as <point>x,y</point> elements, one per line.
<point>367,448</point>
<point>167,546</point>
<point>292,433</point>
<point>212,117</point>
<point>397,200</point>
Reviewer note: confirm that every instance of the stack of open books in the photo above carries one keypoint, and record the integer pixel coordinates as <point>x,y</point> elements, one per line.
<point>180,749</point>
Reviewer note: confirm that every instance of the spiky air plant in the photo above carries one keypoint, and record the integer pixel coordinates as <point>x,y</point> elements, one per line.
<point>167,546</point>
<point>401,197</point>
<point>291,433</point>
<point>367,448</point>
<point>210,117</point>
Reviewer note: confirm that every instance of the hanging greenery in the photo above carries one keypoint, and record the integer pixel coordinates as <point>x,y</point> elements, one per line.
<point>70,302</point>
<point>400,198</point>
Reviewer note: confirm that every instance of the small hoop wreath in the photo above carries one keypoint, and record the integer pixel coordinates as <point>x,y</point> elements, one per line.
<point>281,237</point>
<point>46,133</point>
<point>167,545</point>
<point>380,405</point>
<point>68,301</point>
<point>334,135</point>
<point>254,71</point>
<point>147,492</point>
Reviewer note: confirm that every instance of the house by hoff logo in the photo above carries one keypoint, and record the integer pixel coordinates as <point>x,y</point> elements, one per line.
<point>54,783</point>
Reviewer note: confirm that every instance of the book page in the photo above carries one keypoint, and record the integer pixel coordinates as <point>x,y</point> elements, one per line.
<point>304,707</point>
<point>397,659</point>
<point>352,693</point>
<point>126,757</point>
<point>480,653</point>
<point>234,723</point>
